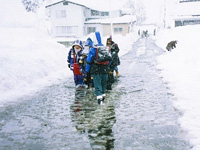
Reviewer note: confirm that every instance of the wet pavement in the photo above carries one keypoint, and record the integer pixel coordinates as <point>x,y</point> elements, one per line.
<point>137,115</point>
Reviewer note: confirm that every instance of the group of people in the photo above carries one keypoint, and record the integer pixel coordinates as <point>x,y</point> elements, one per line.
<point>94,64</point>
<point>145,33</point>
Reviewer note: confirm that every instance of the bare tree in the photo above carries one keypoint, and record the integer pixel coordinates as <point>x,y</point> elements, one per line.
<point>137,8</point>
<point>32,5</point>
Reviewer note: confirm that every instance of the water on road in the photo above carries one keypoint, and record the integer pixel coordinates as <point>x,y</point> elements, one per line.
<point>137,115</point>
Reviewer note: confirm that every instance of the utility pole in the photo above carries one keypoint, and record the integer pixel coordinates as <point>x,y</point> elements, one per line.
<point>164,17</point>
<point>111,24</point>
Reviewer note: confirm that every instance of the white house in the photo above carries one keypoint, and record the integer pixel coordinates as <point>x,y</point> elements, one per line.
<point>119,25</point>
<point>68,18</point>
<point>188,12</point>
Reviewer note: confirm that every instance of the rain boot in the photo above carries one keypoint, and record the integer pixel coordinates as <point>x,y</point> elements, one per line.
<point>104,96</point>
<point>117,74</point>
<point>99,99</point>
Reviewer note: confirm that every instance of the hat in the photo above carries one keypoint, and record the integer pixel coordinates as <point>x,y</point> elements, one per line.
<point>78,42</point>
<point>89,42</point>
<point>109,38</point>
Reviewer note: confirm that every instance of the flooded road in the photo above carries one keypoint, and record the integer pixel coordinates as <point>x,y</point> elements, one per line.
<point>137,115</point>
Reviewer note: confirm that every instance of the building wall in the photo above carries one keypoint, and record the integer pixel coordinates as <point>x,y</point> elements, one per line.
<point>69,20</point>
<point>122,29</point>
<point>72,22</point>
<point>98,27</point>
<point>98,15</point>
<point>188,13</point>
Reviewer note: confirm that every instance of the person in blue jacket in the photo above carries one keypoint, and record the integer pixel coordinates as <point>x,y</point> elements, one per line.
<point>88,80</point>
<point>99,72</point>
<point>74,57</point>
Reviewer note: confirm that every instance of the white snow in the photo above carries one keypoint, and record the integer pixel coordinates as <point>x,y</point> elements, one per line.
<point>123,19</point>
<point>30,60</point>
<point>180,68</point>
<point>101,5</point>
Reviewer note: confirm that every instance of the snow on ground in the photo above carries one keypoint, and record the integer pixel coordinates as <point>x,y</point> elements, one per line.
<point>125,43</point>
<point>180,68</point>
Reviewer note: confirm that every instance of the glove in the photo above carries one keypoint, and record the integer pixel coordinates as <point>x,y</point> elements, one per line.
<point>68,65</point>
<point>80,61</point>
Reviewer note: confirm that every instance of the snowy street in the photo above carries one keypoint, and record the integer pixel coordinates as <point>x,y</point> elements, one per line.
<point>138,113</point>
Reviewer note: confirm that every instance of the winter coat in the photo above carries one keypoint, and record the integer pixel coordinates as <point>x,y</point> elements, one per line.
<point>114,50</point>
<point>70,59</point>
<point>91,66</point>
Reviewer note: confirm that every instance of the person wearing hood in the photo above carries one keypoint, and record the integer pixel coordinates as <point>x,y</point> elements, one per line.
<point>99,71</point>
<point>74,56</point>
<point>88,80</point>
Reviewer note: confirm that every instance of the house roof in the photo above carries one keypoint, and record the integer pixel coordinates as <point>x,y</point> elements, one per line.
<point>183,1</point>
<point>55,2</point>
<point>100,5</point>
<point>189,8</point>
<point>188,18</point>
<point>118,20</point>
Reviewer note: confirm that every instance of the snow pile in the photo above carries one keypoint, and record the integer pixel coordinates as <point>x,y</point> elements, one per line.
<point>29,58</point>
<point>125,43</point>
<point>102,5</point>
<point>180,68</point>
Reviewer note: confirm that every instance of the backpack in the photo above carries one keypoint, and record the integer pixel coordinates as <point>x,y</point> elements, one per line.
<point>102,56</point>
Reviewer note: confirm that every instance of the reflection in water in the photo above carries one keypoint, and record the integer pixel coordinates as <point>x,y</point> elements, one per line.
<point>96,121</point>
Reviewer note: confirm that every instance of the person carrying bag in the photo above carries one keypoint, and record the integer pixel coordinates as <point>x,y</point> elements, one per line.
<point>74,56</point>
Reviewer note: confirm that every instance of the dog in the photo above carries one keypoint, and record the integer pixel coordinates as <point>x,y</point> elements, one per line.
<point>171,45</point>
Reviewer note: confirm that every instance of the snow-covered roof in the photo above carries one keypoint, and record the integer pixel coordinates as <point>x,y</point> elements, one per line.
<point>189,8</point>
<point>187,18</point>
<point>101,5</point>
<point>117,20</point>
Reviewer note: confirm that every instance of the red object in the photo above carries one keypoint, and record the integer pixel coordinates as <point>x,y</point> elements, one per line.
<point>77,70</point>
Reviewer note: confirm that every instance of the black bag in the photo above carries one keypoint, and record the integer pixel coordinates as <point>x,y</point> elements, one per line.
<point>102,56</point>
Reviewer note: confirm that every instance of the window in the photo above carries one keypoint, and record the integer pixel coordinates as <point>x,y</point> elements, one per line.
<point>182,1</point>
<point>61,30</point>
<point>94,13</point>
<point>72,30</point>
<point>69,30</point>
<point>118,29</point>
<point>91,30</point>
<point>61,14</point>
<point>65,2</point>
<point>66,30</point>
<point>104,13</point>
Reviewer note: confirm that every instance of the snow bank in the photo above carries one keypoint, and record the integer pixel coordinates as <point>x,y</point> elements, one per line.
<point>125,43</point>
<point>28,62</point>
<point>29,58</point>
<point>180,68</point>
